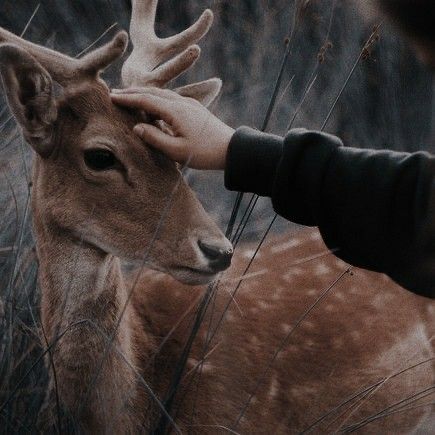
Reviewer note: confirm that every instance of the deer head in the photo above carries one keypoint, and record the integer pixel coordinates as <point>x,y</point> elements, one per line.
<point>94,180</point>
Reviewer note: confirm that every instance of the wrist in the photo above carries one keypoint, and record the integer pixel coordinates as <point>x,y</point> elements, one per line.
<point>251,161</point>
<point>226,137</point>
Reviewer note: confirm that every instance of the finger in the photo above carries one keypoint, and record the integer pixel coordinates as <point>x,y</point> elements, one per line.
<point>129,91</point>
<point>205,92</point>
<point>151,104</point>
<point>149,90</point>
<point>153,136</point>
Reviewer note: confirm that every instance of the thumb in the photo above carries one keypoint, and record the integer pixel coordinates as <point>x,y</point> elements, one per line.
<point>155,137</point>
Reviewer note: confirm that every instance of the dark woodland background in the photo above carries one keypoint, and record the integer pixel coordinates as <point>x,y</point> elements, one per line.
<point>388,103</point>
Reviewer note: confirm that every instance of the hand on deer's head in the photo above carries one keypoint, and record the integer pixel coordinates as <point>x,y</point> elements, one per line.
<point>124,193</point>
<point>188,133</point>
<point>95,181</point>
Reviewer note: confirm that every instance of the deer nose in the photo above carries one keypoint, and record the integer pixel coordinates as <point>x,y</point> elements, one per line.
<point>219,256</point>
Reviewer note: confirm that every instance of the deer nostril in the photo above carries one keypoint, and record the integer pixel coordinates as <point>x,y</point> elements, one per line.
<point>219,257</point>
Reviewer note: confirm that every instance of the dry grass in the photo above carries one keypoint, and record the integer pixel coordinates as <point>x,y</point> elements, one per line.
<point>249,75</point>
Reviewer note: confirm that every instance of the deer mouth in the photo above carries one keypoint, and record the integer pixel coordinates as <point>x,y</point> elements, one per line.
<point>213,255</point>
<point>193,276</point>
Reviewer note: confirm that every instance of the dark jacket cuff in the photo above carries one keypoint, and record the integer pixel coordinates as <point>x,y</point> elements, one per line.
<point>251,162</point>
<point>297,192</point>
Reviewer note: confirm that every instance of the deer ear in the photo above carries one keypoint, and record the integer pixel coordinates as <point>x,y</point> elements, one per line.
<point>205,92</point>
<point>30,95</point>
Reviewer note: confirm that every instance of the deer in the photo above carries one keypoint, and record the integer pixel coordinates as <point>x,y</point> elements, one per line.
<point>304,343</point>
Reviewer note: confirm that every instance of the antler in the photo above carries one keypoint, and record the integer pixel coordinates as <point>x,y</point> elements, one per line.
<point>65,69</point>
<point>152,61</point>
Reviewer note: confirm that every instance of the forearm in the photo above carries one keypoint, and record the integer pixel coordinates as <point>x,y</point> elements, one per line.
<point>373,207</point>
<point>252,160</point>
<point>376,208</point>
<point>290,170</point>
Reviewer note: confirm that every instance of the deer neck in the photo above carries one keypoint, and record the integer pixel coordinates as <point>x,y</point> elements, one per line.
<point>82,308</point>
<point>79,283</point>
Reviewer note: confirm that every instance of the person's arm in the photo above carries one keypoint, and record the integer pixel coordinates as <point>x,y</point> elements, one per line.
<point>375,208</point>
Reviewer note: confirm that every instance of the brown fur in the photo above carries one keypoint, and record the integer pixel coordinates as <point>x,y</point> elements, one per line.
<point>105,344</point>
<point>85,226</point>
<point>86,221</point>
<point>365,331</point>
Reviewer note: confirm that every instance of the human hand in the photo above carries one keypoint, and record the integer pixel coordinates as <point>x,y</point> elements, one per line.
<point>200,139</point>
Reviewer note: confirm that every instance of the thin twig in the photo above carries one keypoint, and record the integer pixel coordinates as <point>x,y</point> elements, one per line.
<point>160,223</point>
<point>359,393</point>
<point>30,20</point>
<point>97,40</point>
<point>386,411</point>
<point>349,76</point>
<point>284,343</point>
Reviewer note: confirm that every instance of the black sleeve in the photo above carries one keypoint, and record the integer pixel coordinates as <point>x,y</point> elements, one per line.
<point>375,208</point>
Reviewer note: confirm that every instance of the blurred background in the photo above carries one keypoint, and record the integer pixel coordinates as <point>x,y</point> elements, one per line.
<point>386,103</point>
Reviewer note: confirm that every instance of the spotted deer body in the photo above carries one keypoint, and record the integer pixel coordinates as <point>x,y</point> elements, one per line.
<point>271,367</point>
<point>101,197</point>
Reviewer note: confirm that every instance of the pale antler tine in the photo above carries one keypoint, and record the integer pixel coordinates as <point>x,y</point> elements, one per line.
<point>192,35</point>
<point>152,61</point>
<point>205,92</point>
<point>174,67</point>
<point>102,57</point>
<point>143,16</point>
<point>142,67</point>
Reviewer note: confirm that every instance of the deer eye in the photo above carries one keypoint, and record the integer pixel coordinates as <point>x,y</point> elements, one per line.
<point>100,160</point>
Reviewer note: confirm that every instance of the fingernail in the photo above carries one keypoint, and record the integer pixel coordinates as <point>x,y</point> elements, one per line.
<point>139,129</point>
<point>117,91</point>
